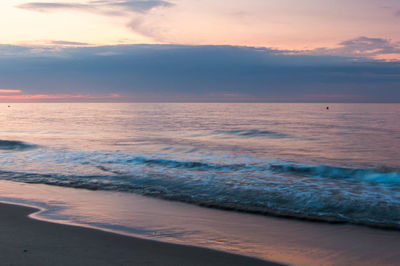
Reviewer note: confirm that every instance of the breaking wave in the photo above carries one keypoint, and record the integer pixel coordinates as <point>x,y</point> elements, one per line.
<point>319,192</point>
<point>384,176</point>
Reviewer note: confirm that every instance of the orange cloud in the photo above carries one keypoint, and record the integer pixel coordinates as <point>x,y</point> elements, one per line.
<point>10,91</point>
<point>56,97</point>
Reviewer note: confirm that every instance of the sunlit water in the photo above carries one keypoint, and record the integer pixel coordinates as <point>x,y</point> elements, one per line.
<point>296,160</point>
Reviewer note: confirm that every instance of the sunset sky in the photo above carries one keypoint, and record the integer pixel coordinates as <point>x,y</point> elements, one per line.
<point>42,43</point>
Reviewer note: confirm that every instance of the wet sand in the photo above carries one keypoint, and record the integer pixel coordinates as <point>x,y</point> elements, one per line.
<point>292,242</point>
<point>26,241</point>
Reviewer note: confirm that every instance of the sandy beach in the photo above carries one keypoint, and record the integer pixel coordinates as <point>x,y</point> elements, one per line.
<point>25,241</point>
<point>66,213</point>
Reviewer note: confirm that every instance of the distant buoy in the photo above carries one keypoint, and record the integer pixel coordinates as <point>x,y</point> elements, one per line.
<point>327,108</point>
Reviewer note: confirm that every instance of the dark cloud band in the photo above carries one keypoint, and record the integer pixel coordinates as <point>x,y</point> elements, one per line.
<point>198,73</point>
<point>96,6</point>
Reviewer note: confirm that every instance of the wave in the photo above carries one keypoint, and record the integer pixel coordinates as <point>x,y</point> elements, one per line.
<point>251,133</point>
<point>367,175</point>
<point>324,193</point>
<point>15,145</point>
<point>384,176</point>
<point>176,164</point>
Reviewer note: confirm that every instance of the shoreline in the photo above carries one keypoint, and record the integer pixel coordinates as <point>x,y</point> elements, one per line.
<point>28,241</point>
<point>288,241</point>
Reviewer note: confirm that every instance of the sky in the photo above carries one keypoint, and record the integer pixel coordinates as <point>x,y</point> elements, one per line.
<point>200,50</point>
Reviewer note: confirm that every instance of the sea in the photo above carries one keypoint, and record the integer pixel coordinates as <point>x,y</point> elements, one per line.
<point>300,184</point>
<point>336,163</point>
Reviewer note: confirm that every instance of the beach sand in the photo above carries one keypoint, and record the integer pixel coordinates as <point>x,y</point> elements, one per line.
<point>26,241</point>
<point>289,241</point>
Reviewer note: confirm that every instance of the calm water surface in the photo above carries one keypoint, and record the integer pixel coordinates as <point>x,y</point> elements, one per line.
<point>297,160</point>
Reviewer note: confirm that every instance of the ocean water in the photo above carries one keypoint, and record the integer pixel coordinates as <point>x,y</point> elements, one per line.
<point>292,160</point>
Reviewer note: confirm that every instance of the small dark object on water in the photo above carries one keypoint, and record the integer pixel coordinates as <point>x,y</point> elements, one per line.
<point>9,106</point>
<point>25,250</point>
<point>327,108</point>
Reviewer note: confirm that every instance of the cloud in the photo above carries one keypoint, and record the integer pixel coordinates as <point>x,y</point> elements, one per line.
<point>137,9</point>
<point>10,91</point>
<point>365,45</point>
<point>45,7</point>
<point>141,26</point>
<point>198,73</point>
<point>58,98</point>
<point>362,47</point>
<point>105,7</point>
<point>12,50</point>
<point>68,43</point>
<point>142,6</point>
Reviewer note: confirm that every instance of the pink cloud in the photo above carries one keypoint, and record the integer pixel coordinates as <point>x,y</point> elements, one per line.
<point>57,97</point>
<point>9,91</point>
